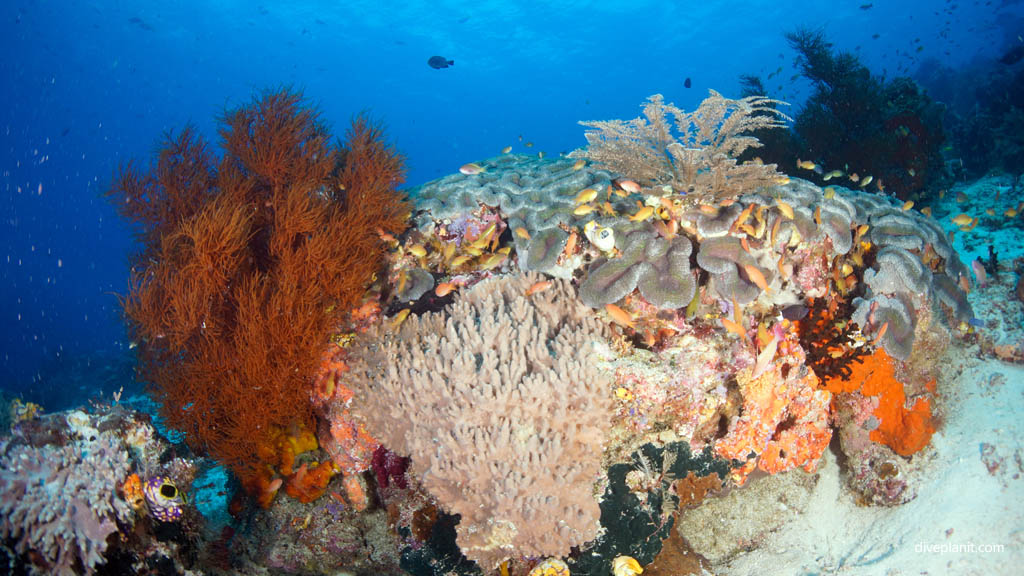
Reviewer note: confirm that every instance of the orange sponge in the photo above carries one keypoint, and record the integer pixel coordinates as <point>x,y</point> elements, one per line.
<point>310,481</point>
<point>905,430</point>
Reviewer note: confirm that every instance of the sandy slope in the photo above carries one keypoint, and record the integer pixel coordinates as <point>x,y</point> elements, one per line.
<point>960,501</point>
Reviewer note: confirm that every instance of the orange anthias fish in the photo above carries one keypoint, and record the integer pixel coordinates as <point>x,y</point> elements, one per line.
<point>764,359</point>
<point>881,332</point>
<point>629,186</point>
<point>472,168</point>
<point>619,316</point>
<point>399,318</point>
<point>586,195</point>
<point>961,219</point>
<point>570,244</point>
<point>445,288</point>
<point>757,277</point>
<point>538,287</point>
<point>734,327</point>
<point>642,214</point>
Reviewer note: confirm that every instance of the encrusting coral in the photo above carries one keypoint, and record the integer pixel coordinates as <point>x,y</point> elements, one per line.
<point>250,263</point>
<point>784,420</point>
<point>497,402</point>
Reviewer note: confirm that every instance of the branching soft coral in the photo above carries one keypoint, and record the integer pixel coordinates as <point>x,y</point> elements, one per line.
<point>250,264</point>
<point>889,129</point>
<point>698,158</point>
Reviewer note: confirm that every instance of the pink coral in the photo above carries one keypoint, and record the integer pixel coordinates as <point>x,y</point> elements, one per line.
<point>812,272</point>
<point>784,420</point>
<point>348,443</point>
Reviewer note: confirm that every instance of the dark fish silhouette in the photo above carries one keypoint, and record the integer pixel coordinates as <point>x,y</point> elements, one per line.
<point>1013,56</point>
<point>795,312</point>
<point>687,83</point>
<point>140,23</point>
<point>438,62</point>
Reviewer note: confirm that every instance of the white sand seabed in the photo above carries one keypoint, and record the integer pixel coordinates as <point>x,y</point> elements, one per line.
<point>965,519</point>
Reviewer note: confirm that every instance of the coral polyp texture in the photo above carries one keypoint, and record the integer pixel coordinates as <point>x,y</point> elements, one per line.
<point>498,402</point>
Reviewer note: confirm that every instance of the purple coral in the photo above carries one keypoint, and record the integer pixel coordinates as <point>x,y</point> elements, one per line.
<point>163,498</point>
<point>389,468</point>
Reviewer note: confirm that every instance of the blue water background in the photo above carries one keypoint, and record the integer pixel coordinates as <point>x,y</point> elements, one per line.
<point>87,86</point>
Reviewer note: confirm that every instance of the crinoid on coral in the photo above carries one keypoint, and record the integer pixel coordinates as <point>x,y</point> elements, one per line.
<point>249,264</point>
<point>694,153</point>
<point>830,346</point>
<point>498,402</point>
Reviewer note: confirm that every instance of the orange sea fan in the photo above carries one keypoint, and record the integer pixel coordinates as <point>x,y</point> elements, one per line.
<point>250,264</point>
